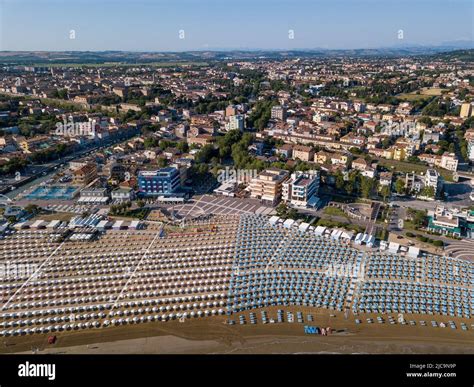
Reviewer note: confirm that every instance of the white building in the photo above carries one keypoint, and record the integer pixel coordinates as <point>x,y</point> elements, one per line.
<point>470,149</point>
<point>449,161</point>
<point>236,122</point>
<point>124,194</point>
<point>433,179</point>
<point>301,189</point>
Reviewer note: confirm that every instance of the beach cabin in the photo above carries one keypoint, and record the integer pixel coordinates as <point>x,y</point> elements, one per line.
<point>103,225</point>
<point>135,225</point>
<point>39,224</point>
<point>303,227</point>
<point>371,241</point>
<point>393,247</point>
<point>365,238</point>
<point>274,220</point>
<point>319,231</point>
<point>336,234</point>
<point>21,225</point>
<point>413,252</point>
<point>347,236</point>
<point>117,225</point>
<point>54,224</point>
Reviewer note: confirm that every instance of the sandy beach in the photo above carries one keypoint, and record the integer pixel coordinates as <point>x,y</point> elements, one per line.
<point>213,336</point>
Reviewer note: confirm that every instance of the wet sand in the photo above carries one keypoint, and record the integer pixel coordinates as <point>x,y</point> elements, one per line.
<point>269,345</point>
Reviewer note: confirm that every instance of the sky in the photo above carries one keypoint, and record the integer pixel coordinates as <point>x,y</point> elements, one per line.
<point>183,25</point>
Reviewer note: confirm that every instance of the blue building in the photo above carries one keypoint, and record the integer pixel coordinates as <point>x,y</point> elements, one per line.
<point>163,182</point>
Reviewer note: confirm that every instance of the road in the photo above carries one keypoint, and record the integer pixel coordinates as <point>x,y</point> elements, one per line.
<point>39,169</point>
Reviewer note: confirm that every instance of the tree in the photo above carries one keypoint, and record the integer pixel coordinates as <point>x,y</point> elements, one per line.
<point>428,192</point>
<point>205,154</point>
<point>282,210</point>
<point>183,146</point>
<point>385,192</point>
<point>418,216</point>
<point>340,181</point>
<point>162,162</point>
<point>400,187</point>
<point>292,213</point>
<point>150,142</point>
<point>31,209</point>
<point>352,185</point>
<point>367,186</point>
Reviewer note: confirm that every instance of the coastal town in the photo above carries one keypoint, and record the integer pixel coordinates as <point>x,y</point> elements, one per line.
<point>294,135</point>
<point>135,193</point>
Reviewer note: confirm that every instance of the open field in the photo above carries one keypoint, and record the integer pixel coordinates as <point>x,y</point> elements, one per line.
<point>335,211</point>
<point>424,93</point>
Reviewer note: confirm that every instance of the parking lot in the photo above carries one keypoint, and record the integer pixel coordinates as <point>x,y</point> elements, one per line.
<point>208,204</point>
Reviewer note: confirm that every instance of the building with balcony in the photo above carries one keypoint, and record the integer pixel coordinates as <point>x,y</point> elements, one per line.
<point>162,182</point>
<point>301,189</point>
<point>268,186</point>
<point>85,174</point>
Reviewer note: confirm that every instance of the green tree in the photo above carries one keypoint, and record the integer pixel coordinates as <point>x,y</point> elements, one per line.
<point>385,192</point>
<point>367,186</point>
<point>400,187</point>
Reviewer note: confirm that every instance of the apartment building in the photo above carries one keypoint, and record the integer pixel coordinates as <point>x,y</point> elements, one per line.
<point>285,150</point>
<point>449,161</point>
<point>303,153</point>
<point>85,174</point>
<point>268,185</point>
<point>230,110</point>
<point>301,189</point>
<point>443,221</point>
<point>466,110</point>
<point>236,122</point>
<point>162,182</point>
<point>278,113</point>
<point>434,180</point>
<point>470,149</point>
